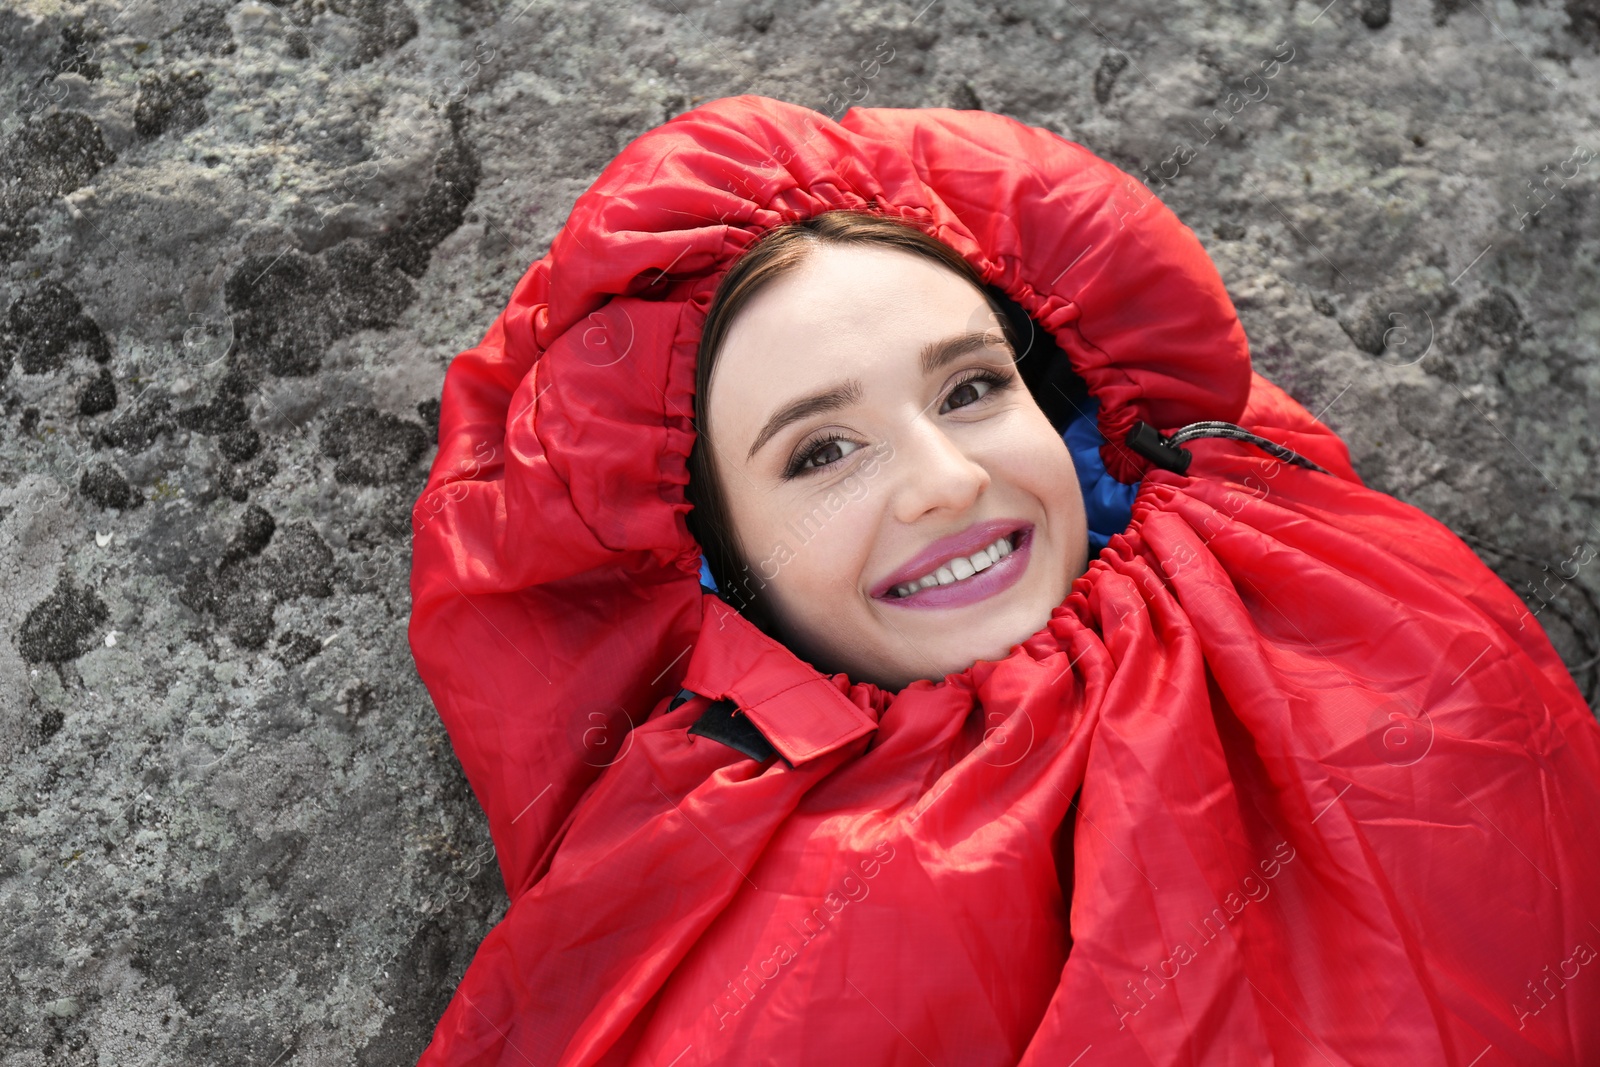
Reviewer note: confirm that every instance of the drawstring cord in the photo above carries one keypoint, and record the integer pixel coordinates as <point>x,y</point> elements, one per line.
<point>1168,453</point>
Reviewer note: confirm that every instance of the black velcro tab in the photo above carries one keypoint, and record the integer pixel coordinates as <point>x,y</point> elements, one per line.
<point>723,724</point>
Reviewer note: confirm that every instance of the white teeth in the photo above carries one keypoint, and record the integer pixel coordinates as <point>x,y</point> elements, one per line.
<point>958,568</point>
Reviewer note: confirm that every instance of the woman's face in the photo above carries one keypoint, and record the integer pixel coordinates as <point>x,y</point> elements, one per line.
<point>926,450</point>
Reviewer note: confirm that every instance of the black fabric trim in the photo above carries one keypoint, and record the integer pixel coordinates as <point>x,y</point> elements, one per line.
<point>723,724</point>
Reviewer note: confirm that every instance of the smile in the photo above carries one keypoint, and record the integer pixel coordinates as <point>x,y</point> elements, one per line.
<point>960,568</point>
<point>966,579</point>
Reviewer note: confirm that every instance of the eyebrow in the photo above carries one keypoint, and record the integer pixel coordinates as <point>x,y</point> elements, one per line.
<point>935,354</point>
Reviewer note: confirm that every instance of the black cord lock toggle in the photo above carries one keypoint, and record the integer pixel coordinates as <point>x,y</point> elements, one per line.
<point>1153,445</point>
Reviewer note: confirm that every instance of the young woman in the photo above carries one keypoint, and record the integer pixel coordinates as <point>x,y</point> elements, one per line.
<point>1214,755</point>
<point>907,505</point>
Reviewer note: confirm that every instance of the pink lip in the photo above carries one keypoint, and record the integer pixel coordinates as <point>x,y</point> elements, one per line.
<point>985,583</point>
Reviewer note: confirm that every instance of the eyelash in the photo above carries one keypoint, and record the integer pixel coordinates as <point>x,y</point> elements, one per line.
<point>798,468</point>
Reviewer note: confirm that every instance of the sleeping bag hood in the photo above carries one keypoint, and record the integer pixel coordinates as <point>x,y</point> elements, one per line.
<point>1289,777</point>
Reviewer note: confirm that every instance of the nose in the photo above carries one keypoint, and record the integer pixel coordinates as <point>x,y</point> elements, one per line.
<point>936,474</point>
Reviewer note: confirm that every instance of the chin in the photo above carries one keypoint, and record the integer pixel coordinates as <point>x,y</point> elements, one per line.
<point>1028,621</point>
<point>1000,650</point>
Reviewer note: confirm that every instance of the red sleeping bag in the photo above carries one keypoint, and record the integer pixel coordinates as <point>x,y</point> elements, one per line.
<point>1290,776</point>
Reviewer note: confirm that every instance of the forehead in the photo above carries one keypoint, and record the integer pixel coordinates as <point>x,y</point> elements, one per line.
<point>846,311</point>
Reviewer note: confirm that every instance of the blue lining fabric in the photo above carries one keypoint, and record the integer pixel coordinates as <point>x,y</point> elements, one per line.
<point>1107,502</point>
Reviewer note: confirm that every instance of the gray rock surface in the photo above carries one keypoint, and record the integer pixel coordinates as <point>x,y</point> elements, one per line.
<point>241,243</point>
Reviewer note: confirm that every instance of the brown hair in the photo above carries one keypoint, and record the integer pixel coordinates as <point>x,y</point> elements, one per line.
<point>774,254</point>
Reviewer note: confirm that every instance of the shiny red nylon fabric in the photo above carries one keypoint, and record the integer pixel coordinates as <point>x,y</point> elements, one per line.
<point>1290,775</point>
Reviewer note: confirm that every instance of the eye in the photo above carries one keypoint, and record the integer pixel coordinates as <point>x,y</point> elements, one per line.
<point>801,464</point>
<point>978,386</point>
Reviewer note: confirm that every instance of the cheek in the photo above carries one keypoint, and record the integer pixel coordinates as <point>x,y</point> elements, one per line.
<point>830,537</point>
<point>1039,464</point>
<point>807,549</point>
<point>1040,469</point>
<point>816,581</point>
<point>1068,495</point>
